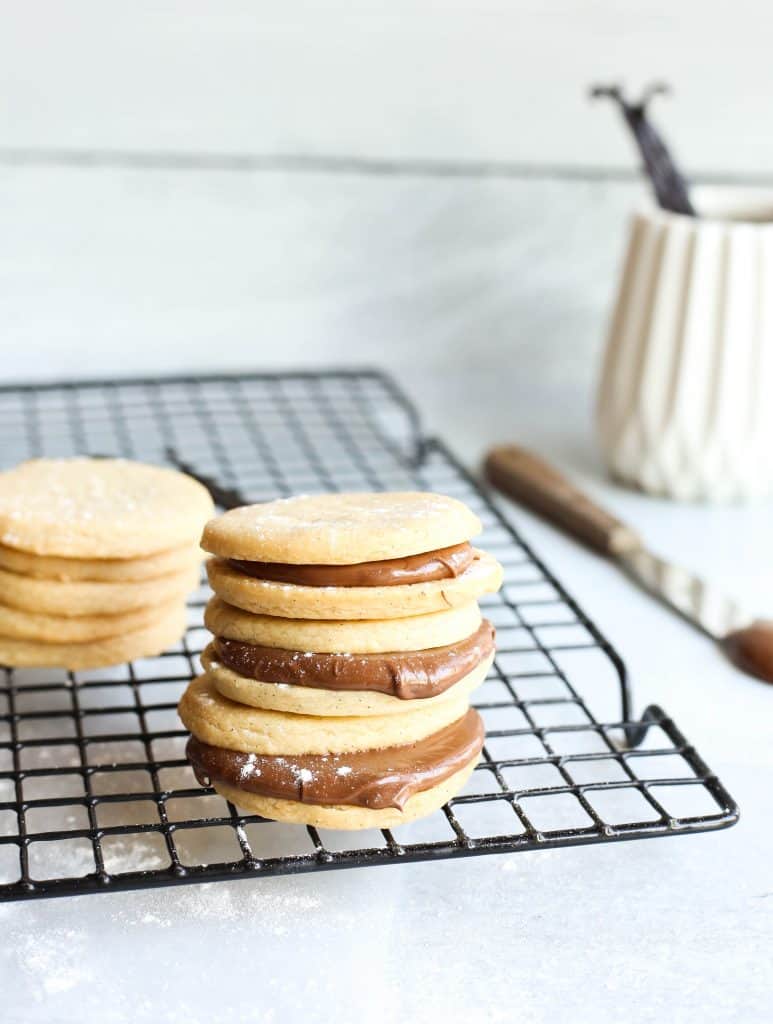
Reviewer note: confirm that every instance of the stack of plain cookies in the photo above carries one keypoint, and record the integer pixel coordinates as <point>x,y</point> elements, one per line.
<point>347,642</point>
<point>96,559</point>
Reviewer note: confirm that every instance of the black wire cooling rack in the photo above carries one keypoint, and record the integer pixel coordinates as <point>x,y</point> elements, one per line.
<point>95,793</point>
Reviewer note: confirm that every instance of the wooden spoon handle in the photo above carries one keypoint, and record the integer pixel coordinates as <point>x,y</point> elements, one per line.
<point>532,481</point>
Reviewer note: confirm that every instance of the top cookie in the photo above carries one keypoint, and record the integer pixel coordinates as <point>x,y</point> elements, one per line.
<point>341,529</point>
<point>99,508</point>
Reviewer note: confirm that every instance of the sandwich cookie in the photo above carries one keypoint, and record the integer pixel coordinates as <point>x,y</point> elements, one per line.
<point>239,584</point>
<point>309,683</point>
<point>349,556</point>
<point>343,773</point>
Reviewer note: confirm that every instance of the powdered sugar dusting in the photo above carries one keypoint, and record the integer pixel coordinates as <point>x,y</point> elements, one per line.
<point>249,769</point>
<point>214,901</point>
<point>57,969</point>
<point>56,959</point>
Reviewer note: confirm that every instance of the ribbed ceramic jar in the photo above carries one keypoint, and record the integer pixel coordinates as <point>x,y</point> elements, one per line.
<point>685,403</point>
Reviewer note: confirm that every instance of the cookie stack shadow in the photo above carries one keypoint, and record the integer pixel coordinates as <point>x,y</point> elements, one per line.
<point>97,557</point>
<point>347,643</point>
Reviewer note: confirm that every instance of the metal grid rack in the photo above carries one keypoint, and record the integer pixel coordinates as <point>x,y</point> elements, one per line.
<point>95,793</point>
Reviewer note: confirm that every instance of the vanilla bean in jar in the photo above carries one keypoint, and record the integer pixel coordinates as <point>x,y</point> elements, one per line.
<point>668,182</point>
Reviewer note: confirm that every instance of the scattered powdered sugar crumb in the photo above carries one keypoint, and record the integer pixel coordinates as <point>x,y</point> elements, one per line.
<point>151,918</point>
<point>231,902</point>
<point>344,770</point>
<point>55,959</point>
<point>279,905</point>
<point>135,853</point>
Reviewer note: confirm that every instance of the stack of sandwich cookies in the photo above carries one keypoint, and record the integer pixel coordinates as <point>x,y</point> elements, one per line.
<point>97,557</point>
<point>313,712</point>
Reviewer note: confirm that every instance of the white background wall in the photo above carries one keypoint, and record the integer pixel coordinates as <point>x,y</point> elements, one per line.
<point>423,185</point>
<point>460,80</point>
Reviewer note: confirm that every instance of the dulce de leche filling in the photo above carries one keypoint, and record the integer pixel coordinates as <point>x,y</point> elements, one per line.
<point>443,564</point>
<point>409,675</point>
<point>375,779</point>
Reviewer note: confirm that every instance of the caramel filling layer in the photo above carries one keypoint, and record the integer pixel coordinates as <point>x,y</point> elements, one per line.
<point>370,778</point>
<point>408,675</point>
<point>446,563</point>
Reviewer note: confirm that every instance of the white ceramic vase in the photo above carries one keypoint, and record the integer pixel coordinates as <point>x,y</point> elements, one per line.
<point>685,403</point>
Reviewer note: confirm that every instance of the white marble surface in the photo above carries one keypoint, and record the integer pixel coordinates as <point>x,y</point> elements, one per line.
<point>674,929</point>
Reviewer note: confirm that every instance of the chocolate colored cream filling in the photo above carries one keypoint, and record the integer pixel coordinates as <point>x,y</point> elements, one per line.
<point>443,564</point>
<point>409,675</point>
<point>370,778</point>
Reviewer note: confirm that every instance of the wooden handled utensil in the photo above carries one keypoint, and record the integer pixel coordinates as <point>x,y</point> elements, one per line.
<point>522,475</point>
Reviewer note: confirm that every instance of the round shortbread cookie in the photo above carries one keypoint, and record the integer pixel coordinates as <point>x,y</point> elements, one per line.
<point>99,508</point>
<point>346,816</point>
<point>341,529</point>
<point>287,600</point>
<point>53,629</point>
<point>220,722</point>
<point>51,567</point>
<point>367,636</point>
<point>141,643</point>
<point>52,597</point>
<point>308,700</point>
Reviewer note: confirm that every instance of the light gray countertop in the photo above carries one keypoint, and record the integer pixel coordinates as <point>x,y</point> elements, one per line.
<point>674,929</point>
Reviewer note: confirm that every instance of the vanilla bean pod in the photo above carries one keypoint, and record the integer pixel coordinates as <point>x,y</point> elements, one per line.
<point>667,181</point>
